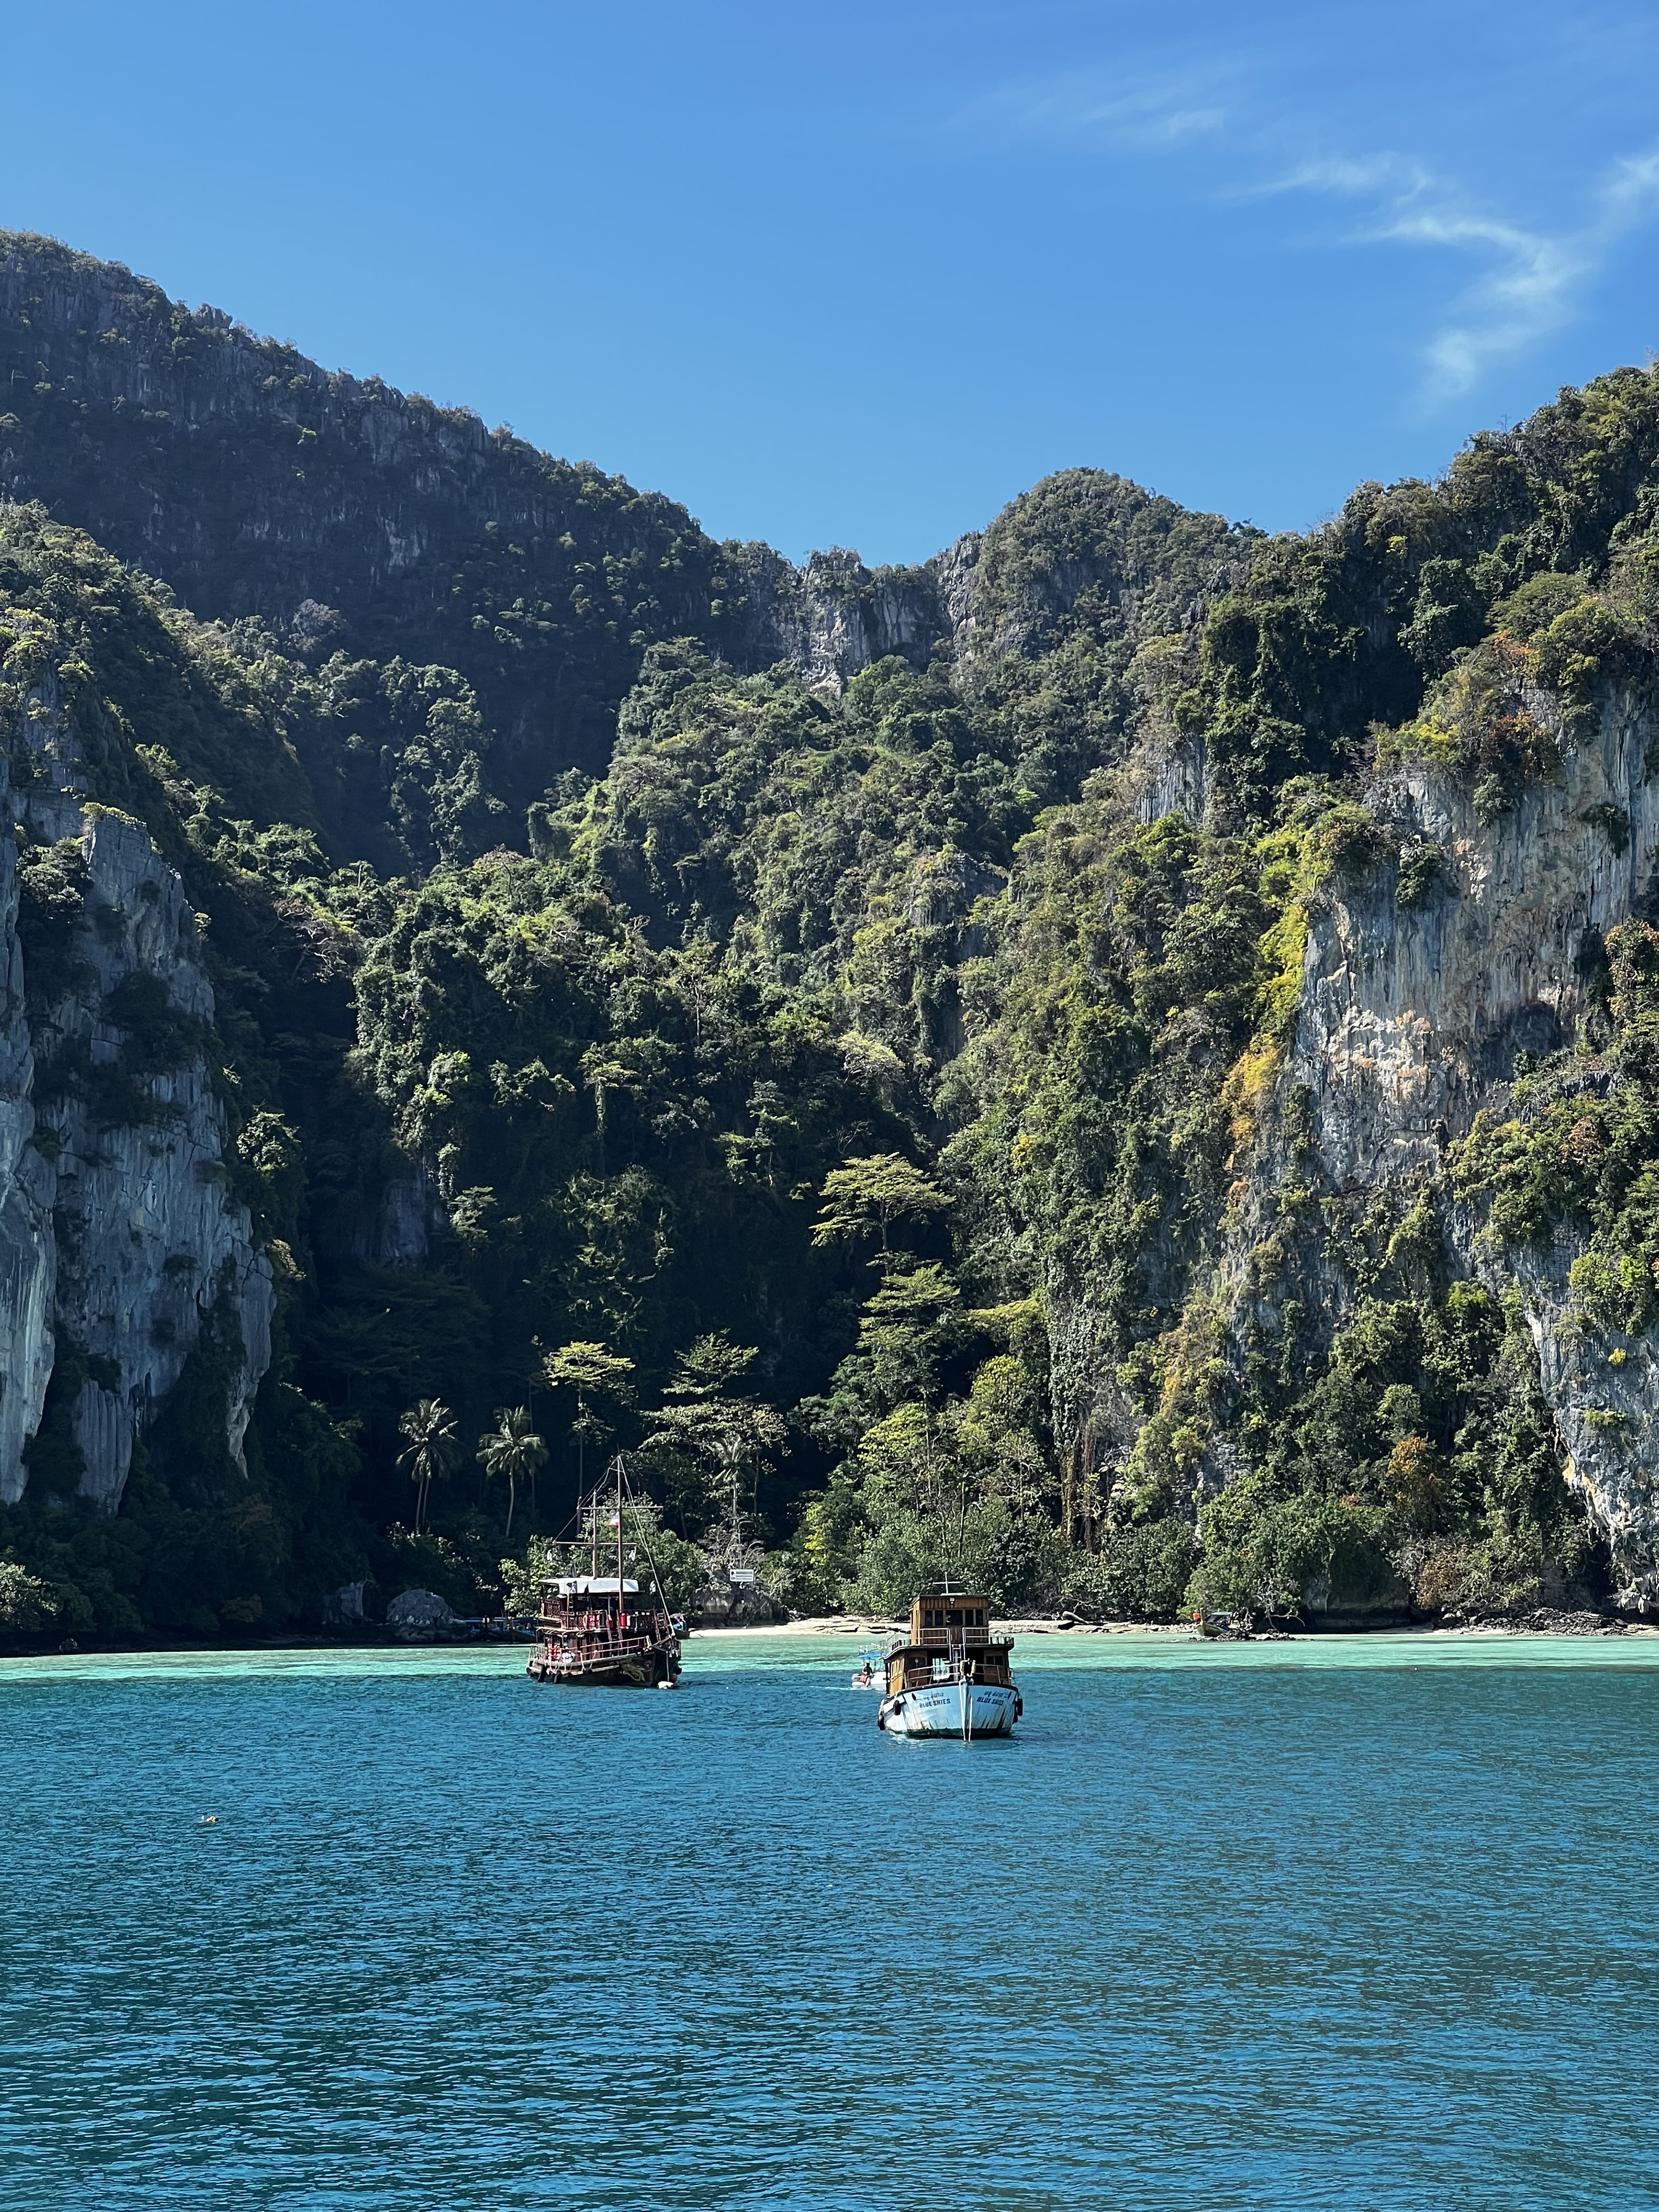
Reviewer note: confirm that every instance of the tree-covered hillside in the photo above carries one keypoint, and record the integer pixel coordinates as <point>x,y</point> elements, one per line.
<point>586,1090</point>
<point>870,1096</point>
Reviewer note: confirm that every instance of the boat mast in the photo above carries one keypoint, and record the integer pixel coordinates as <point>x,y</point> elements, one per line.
<point>641,1529</point>
<point>620,1601</point>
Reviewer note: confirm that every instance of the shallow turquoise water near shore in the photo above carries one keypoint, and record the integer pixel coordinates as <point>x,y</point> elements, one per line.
<point>1364,1923</point>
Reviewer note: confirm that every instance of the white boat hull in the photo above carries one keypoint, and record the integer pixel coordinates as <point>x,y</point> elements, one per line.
<point>966,1710</point>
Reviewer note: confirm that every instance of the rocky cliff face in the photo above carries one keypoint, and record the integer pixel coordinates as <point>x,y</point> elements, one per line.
<point>1412,1016</point>
<point>256,483</point>
<point>1458,952</point>
<point>1410,1020</point>
<point>271,478</point>
<point>28,1247</point>
<point>120,1241</point>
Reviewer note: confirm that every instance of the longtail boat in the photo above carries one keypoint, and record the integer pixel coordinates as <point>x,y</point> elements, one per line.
<point>950,1675</point>
<point>601,1631</point>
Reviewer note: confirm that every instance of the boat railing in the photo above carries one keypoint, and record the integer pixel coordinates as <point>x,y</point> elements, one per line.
<point>594,1624</point>
<point>950,1643</point>
<point>609,1646</point>
<point>947,1666</point>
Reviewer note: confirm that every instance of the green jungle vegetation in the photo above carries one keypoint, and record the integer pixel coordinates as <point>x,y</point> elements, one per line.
<point>836,1100</point>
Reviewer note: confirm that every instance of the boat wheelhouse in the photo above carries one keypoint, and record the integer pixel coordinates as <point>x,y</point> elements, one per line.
<point>604,1631</point>
<point>950,1675</point>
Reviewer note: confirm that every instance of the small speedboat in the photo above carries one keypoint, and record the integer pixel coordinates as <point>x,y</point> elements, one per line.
<point>1221,1628</point>
<point>949,1676</point>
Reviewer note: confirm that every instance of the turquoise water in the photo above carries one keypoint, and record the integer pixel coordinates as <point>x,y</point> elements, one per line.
<point>1364,1923</point>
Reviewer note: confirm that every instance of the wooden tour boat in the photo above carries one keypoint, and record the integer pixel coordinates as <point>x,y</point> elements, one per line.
<point>600,1632</point>
<point>949,1676</point>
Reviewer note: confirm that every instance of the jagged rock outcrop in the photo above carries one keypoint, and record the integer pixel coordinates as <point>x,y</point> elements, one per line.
<point>835,617</point>
<point>419,1616</point>
<point>343,1608</point>
<point>120,1238</point>
<point>724,1601</point>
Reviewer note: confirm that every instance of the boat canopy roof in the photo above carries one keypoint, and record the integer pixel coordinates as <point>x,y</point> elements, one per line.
<point>592,1585</point>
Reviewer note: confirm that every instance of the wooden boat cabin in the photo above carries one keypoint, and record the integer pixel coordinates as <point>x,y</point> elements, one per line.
<point>948,1632</point>
<point>588,1601</point>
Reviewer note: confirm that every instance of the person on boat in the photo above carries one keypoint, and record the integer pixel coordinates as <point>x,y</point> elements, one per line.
<point>862,1680</point>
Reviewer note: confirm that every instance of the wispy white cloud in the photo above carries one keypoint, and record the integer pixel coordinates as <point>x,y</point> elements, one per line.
<point>1133,113</point>
<point>1526,280</point>
<point>1347,177</point>
<point>1526,294</point>
<point>1534,278</point>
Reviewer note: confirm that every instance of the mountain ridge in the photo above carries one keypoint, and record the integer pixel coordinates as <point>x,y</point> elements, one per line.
<point>178,438</point>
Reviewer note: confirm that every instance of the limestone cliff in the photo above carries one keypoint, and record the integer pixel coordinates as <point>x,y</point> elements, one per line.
<point>1410,1019</point>
<point>339,510</point>
<point>347,514</point>
<point>28,1247</point>
<point>120,1239</point>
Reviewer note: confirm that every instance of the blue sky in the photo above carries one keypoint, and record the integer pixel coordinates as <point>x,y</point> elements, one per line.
<point>857,275</point>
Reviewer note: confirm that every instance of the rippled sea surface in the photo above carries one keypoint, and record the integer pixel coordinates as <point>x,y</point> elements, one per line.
<point>1365,1922</point>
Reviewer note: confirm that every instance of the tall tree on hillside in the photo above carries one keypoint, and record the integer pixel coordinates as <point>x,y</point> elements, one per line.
<point>512,1449</point>
<point>710,1443</point>
<point>597,1377</point>
<point>867,1196</point>
<point>432,1451</point>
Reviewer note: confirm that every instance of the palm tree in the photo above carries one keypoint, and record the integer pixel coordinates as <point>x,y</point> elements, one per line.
<point>513,1449</point>
<point>430,1427</point>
